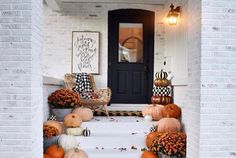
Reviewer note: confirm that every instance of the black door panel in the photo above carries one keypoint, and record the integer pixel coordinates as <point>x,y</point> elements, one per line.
<point>131,82</point>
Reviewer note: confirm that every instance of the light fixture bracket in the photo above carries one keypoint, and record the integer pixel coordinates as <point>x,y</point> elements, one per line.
<point>172,9</point>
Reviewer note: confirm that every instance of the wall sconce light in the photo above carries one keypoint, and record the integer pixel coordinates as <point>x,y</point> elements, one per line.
<point>173,15</point>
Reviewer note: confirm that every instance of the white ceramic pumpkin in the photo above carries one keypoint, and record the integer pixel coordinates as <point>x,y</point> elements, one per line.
<point>168,125</point>
<point>76,153</point>
<point>85,113</point>
<point>74,131</point>
<point>67,142</point>
<point>153,110</point>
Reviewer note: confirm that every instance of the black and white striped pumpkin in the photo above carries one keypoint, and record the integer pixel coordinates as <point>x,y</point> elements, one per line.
<point>86,132</point>
<point>161,75</point>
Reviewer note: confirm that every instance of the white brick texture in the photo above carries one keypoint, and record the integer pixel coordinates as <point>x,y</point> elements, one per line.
<point>218,79</point>
<point>20,79</point>
<point>58,29</point>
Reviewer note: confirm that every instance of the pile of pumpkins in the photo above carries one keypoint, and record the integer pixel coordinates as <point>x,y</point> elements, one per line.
<point>66,145</point>
<point>162,89</point>
<point>168,121</point>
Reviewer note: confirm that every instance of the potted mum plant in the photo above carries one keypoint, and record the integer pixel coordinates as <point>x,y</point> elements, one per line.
<point>62,102</point>
<point>170,145</point>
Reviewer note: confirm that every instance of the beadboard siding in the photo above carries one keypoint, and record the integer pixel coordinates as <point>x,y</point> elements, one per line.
<point>191,110</point>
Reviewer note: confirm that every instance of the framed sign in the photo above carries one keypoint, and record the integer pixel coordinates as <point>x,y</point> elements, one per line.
<point>85,52</point>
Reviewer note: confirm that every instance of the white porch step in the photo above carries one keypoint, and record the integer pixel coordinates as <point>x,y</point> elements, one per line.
<point>114,137</point>
<point>126,107</point>
<point>118,127</point>
<point>112,141</point>
<point>113,153</point>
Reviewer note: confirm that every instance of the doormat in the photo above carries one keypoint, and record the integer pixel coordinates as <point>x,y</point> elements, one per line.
<point>119,113</point>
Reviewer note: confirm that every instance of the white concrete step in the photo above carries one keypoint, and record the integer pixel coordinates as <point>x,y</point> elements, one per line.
<point>115,137</point>
<point>114,153</point>
<point>118,124</point>
<point>126,107</point>
<point>112,140</point>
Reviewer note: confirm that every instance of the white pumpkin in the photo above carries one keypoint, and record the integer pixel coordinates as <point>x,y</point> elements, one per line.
<point>74,131</point>
<point>76,153</point>
<point>67,142</point>
<point>85,113</point>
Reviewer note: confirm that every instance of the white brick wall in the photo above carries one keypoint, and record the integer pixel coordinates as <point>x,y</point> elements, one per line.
<point>218,79</point>
<point>20,79</point>
<point>58,29</point>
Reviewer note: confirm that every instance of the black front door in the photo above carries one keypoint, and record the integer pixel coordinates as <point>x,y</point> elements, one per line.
<point>130,55</point>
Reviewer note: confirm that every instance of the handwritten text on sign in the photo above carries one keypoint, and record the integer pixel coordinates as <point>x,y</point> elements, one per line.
<point>85,53</point>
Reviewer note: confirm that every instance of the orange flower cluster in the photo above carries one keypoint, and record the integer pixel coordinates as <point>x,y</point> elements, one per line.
<point>51,128</point>
<point>64,98</point>
<point>170,144</point>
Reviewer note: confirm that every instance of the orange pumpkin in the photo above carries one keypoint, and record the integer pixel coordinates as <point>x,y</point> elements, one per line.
<point>153,110</point>
<point>148,154</point>
<point>46,156</point>
<point>54,151</point>
<point>151,136</point>
<point>171,110</point>
<point>168,125</point>
<point>72,120</point>
<point>161,82</point>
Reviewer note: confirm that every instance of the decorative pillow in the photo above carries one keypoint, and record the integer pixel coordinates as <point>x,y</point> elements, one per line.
<point>83,86</point>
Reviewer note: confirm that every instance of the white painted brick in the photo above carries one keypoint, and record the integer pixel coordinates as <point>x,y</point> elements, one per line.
<point>218,97</point>
<point>20,113</point>
<point>76,17</point>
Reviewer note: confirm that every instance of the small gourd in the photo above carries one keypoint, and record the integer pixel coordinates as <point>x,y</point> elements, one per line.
<point>74,131</point>
<point>85,113</point>
<point>72,120</point>
<point>76,153</point>
<point>86,132</point>
<point>162,74</point>
<point>67,142</point>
